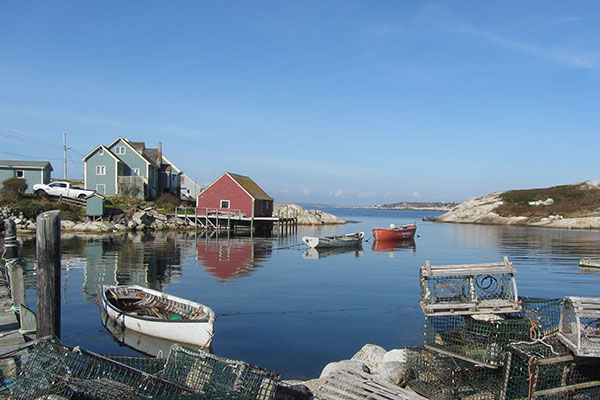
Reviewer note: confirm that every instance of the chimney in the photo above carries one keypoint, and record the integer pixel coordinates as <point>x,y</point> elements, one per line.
<point>159,161</point>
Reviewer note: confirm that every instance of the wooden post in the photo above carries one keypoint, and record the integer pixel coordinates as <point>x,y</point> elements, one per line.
<point>48,274</point>
<point>15,267</point>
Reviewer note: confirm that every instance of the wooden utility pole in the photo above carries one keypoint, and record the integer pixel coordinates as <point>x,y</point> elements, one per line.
<point>14,266</point>
<point>48,274</point>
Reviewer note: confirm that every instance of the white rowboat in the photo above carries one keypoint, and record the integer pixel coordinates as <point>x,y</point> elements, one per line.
<point>347,240</point>
<point>159,314</point>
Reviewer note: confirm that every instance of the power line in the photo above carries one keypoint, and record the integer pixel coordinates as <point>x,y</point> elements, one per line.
<point>27,139</point>
<point>37,158</point>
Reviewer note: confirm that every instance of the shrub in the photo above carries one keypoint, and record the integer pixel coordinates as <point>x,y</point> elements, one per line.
<point>13,188</point>
<point>168,198</point>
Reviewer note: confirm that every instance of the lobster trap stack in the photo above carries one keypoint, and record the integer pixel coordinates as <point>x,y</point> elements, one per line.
<point>548,370</point>
<point>50,370</point>
<point>483,342</point>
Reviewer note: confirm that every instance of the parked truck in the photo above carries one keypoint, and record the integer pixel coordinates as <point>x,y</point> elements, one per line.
<point>59,188</point>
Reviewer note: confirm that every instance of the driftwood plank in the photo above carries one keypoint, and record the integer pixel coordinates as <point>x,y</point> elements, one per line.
<point>350,384</point>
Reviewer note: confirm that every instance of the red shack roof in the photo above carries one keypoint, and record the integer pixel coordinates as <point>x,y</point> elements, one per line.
<point>248,185</point>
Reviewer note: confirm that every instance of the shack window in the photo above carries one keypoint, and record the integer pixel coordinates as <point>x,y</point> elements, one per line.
<point>100,170</point>
<point>224,203</point>
<point>100,151</point>
<point>120,150</point>
<point>135,172</point>
<point>20,173</point>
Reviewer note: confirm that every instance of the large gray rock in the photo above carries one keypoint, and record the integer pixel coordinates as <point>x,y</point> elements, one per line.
<point>339,365</point>
<point>392,371</point>
<point>66,224</point>
<point>305,217</point>
<point>142,217</point>
<point>371,355</point>
<point>395,355</point>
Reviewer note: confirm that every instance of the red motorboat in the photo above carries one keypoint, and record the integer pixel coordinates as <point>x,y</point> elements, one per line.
<point>395,232</point>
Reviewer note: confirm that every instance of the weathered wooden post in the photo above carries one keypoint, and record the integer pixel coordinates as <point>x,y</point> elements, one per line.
<point>15,267</point>
<point>48,274</point>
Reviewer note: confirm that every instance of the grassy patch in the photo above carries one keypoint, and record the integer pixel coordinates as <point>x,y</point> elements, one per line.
<point>570,201</point>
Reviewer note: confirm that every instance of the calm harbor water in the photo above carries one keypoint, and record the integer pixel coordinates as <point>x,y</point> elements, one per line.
<point>282,307</point>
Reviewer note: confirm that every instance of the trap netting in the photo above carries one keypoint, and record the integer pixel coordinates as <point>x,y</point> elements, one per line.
<point>481,338</point>
<point>468,289</point>
<point>149,365</point>
<point>206,373</point>
<point>580,325</point>
<point>547,370</point>
<point>57,371</point>
<point>441,377</point>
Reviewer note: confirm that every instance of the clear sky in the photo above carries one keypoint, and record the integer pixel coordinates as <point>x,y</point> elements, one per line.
<point>337,102</point>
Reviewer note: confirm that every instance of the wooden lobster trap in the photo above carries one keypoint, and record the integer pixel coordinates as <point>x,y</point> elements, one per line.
<point>469,289</point>
<point>580,325</point>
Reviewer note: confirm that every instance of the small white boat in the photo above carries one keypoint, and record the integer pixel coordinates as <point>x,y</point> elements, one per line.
<point>589,262</point>
<point>347,240</point>
<point>159,314</point>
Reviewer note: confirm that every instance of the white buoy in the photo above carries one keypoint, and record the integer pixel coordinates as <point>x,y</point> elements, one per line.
<point>392,226</point>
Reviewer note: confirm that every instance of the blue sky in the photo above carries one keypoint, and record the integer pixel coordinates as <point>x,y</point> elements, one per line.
<point>336,102</point>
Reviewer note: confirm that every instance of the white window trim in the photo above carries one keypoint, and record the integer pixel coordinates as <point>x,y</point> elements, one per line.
<point>101,151</point>
<point>100,169</point>
<point>133,170</point>
<point>119,149</point>
<point>228,204</point>
<point>22,173</point>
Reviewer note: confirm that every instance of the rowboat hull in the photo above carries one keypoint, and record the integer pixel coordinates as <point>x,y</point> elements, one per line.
<point>590,262</point>
<point>198,332</point>
<point>348,240</point>
<point>395,233</point>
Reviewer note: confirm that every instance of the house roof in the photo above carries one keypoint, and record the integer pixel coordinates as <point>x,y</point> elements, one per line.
<point>25,164</point>
<point>106,149</point>
<point>250,186</point>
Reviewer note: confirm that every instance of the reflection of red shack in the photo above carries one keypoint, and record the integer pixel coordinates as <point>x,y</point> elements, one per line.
<point>226,260</point>
<point>236,192</point>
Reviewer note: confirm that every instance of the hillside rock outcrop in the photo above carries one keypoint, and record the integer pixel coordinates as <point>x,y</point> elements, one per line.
<point>305,217</point>
<point>480,210</point>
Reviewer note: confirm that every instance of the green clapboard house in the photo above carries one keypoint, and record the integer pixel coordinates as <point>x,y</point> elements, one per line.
<point>32,171</point>
<point>129,169</point>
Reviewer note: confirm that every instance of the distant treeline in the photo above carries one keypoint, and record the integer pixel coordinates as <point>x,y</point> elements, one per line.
<point>420,204</point>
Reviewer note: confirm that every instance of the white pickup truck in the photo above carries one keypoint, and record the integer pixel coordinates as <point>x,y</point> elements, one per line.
<point>58,188</point>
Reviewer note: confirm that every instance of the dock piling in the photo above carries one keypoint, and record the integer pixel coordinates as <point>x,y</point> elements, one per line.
<point>48,271</point>
<point>14,266</point>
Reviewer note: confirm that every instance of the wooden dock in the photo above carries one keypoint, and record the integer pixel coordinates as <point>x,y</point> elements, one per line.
<point>10,337</point>
<point>229,219</point>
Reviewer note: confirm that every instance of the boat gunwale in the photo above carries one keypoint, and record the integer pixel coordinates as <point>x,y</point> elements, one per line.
<point>120,312</point>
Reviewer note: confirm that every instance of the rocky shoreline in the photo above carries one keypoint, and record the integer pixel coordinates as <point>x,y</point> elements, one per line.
<point>480,210</point>
<point>151,219</point>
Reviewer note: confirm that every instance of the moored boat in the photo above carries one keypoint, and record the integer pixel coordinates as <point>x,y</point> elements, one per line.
<point>159,314</point>
<point>589,262</point>
<point>347,240</point>
<point>395,232</point>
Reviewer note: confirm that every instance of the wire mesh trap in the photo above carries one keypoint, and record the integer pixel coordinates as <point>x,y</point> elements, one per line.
<point>206,373</point>
<point>468,289</point>
<point>547,370</point>
<point>57,371</point>
<point>442,377</point>
<point>580,325</point>
<point>481,338</point>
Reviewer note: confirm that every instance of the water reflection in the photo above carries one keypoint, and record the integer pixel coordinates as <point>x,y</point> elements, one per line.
<point>145,344</point>
<point>130,259</point>
<point>382,246</point>
<point>315,254</point>
<point>226,257</point>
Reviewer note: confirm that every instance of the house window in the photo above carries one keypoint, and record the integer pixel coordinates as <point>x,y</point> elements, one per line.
<point>100,170</point>
<point>267,205</point>
<point>224,203</point>
<point>135,172</point>
<point>100,151</point>
<point>20,173</point>
<point>120,150</point>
